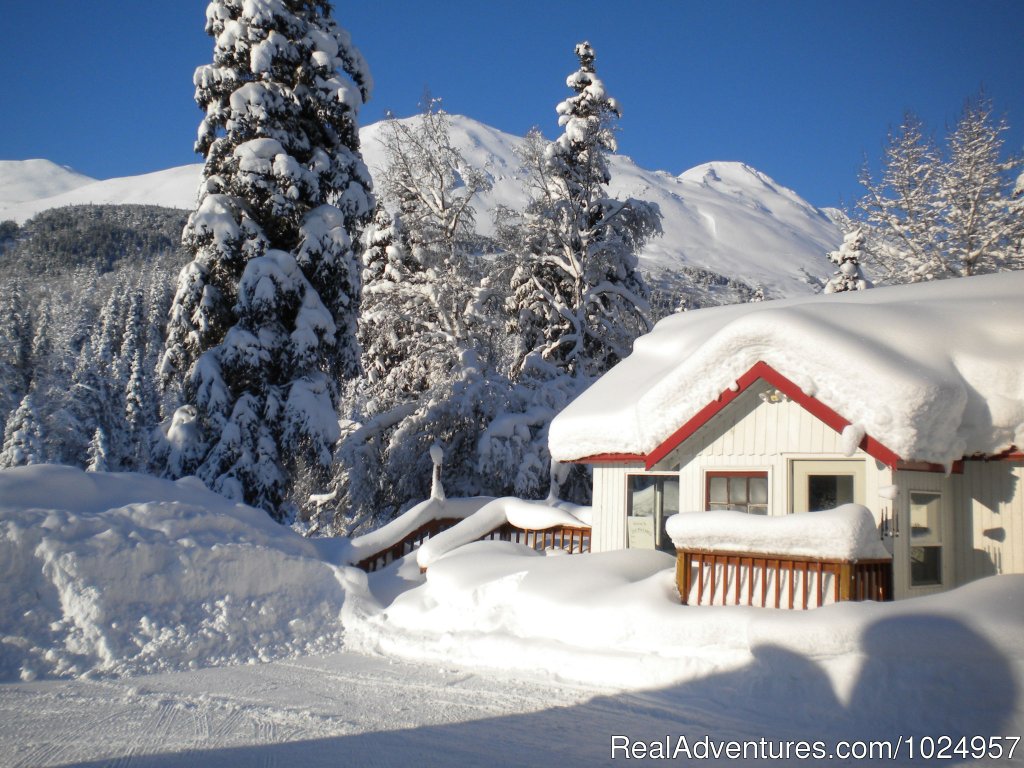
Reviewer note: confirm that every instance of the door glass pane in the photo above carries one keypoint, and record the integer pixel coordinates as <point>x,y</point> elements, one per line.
<point>925,566</point>
<point>670,496</point>
<point>641,497</point>
<point>925,527</point>
<point>718,491</point>
<point>669,505</point>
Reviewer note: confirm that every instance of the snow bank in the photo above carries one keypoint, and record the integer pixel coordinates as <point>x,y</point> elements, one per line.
<point>610,618</point>
<point>118,573</point>
<point>529,515</point>
<point>845,533</point>
<point>933,371</point>
<point>928,665</point>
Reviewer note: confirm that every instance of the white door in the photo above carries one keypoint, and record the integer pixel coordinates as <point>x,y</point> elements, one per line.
<point>924,561</point>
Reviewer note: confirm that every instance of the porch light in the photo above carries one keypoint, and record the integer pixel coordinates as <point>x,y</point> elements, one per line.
<point>773,396</point>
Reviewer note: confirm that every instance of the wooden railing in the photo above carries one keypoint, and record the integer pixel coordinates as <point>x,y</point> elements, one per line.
<point>571,539</point>
<point>407,544</point>
<point>568,538</point>
<point>778,581</point>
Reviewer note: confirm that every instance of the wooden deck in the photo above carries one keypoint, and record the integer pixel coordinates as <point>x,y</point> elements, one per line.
<point>777,581</point>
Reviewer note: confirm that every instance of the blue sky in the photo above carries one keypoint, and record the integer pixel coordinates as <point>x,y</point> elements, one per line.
<point>803,91</point>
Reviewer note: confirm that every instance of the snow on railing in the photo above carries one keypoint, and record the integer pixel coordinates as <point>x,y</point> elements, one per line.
<point>396,539</point>
<point>527,516</point>
<point>795,561</point>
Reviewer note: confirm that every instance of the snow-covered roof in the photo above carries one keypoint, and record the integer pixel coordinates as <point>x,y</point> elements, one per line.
<point>933,372</point>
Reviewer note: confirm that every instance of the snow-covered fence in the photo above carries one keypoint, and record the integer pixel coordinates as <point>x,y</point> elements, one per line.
<point>406,532</point>
<point>453,522</point>
<point>797,561</point>
<point>537,524</point>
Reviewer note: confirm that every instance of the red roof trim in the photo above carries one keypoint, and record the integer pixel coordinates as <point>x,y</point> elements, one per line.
<point>957,467</point>
<point>1013,453</point>
<point>761,370</point>
<point>611,458</point>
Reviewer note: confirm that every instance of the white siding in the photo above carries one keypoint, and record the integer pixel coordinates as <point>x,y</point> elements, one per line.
<point>609,502</point>
<point>989,519</point>
<point>749,434</point>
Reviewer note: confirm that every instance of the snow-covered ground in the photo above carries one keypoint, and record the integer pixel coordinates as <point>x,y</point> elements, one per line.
<point>150,623</point>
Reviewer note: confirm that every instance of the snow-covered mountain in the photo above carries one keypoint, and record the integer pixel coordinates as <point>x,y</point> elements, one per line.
<point>172,188</point>
<point>22,180</point>
<point>723,217</point>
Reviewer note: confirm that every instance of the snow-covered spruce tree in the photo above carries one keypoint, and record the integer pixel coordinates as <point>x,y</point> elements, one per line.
<point>263,323</point>
<point>405,349</point>
<point>15,346</point>
<point>99,452</point>
<point>578,298</point>
<point>849,276</point>
<point>423,327</point>
<point>23,436</point>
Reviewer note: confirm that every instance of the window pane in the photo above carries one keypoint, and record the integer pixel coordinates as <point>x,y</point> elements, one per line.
<point>738,490</point>
<point>758,490</point>
<point>844,489</point>
<point>719,490</point>
<point>758,509</point>
<point>828,491</point>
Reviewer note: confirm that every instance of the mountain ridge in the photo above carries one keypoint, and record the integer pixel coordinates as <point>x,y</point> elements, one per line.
<point>722,217</point>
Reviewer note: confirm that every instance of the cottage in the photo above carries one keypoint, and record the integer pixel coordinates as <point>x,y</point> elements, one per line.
<point>907,400</point>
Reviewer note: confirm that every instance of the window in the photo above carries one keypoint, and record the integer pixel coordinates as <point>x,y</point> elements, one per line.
<point>740,491</point>
<point>826,484</point>
<point>925,538</point>
<point>652,500</point>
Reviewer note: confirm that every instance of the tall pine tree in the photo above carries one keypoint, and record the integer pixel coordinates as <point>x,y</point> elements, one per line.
<point>262,327</point>
<point>578,297</point>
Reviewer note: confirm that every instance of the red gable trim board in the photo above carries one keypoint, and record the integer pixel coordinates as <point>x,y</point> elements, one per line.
<point>766,373</point>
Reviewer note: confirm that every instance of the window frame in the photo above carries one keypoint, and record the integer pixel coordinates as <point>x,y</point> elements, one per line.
<point>802,468</point>
<point>764,474</point>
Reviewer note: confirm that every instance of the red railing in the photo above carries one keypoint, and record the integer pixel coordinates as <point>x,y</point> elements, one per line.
<point>777,581</point>
<point>568,538</point>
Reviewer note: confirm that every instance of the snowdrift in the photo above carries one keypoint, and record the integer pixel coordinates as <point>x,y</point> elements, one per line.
<point>947,663</point>
<point>119,573</point>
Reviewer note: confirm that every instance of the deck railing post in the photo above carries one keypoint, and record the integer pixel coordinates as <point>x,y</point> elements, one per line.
<point>684,576</point>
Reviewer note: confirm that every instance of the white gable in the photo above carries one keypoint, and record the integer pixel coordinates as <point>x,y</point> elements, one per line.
<point>933,371</point>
